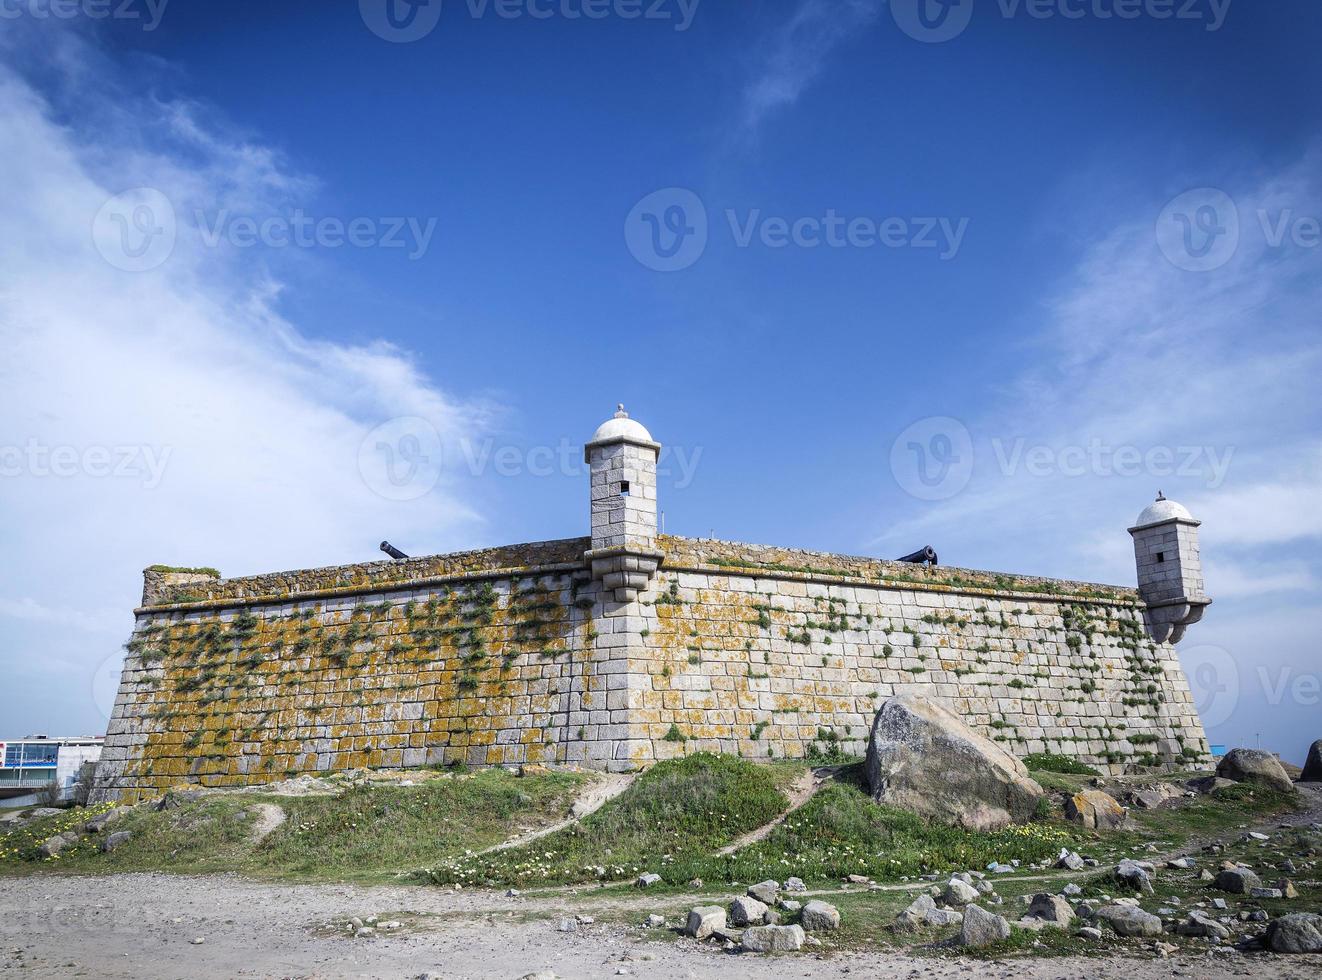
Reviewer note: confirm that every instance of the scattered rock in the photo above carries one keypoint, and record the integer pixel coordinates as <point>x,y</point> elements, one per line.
<point>944,917</point>
<point>959,893</point>
<point>747,911</point>
<point>694,883</point>
<point>981,928</point>
<point>817,916</point>
<point>773,939</point>
<point>53,846</point>
<point>1313,764</point>
<point>1254,766</point>
<point>704,920</point>
<point>654,921</point>
<point>567,924</point>
<point>1069,859</point>
<point>1299,932</point>
<point>1198,924</point>
<point>1209,784</point>
<point>113,841</point>
<point>197,941</point>
<point>788,905</point>
<point>1095,810</point>
<point>916,914</point>
<point>1182,863</point>
<point>1129,920</point>
<point>1266,893</point>
<point>1089,932</point>
<point>1237,881</point>
<point>795,885</point>
<point>647,880</point>
<point>765,891</point>
<point>174,799</point>
<point>1071,890</point>
<point>1136,875</point>
<point>103,820</point>
<point>923,758</point>
<point>1051,908</point>
<point>1151,797</point>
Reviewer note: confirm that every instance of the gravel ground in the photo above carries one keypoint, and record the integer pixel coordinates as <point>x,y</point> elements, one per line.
<point>146,926</point>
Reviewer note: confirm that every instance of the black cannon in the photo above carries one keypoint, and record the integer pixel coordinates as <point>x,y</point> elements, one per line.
<point>923,556</point>
<point>392,551</point>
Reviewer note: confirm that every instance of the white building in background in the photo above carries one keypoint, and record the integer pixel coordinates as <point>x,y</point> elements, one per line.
<point>29,765</point>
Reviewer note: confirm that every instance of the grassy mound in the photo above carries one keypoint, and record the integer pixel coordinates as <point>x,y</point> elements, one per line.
<point>680,807</point>
<point>369,832</point>
<point>842,831</point>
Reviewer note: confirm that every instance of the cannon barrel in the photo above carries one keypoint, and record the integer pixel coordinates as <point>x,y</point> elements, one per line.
<point>392,551</point>
<point>923,556</point>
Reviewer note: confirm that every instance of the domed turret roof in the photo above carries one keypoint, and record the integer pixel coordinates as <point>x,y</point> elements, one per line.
<point>1162,510</point>
<point>621,427</point>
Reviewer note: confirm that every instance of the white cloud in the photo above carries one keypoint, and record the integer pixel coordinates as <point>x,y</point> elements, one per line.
<point>796,51</point>
<point>256,422</point>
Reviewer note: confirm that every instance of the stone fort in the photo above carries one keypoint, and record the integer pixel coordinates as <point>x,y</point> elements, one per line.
<point>626,646</point>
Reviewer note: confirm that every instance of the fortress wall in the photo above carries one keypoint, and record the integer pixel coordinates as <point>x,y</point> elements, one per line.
<point>774,653</point>
<point>515,655</point>
<point>486,667</point>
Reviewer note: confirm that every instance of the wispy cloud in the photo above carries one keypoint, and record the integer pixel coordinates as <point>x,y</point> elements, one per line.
<point>196,424</point>
<point>1215,372</point>
<point>792,54</point>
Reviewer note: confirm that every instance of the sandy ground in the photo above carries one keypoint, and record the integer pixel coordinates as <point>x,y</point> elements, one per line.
<point>145,926</point>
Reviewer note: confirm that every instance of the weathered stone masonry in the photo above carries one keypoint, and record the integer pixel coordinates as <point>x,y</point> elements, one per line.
<point>616,653</point>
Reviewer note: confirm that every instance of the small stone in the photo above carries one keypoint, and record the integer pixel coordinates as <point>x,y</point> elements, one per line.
<point>773,939</point>
<point>981,928</point>
<point>795,885</point>
<point>1051,908</point>
<point>704,920</point>
<point>747,911</point>
<point>959,893</point>
<point>1237,881</point>
<point>1070,860</point>
<point>567,924</point>
<point>1299,932</point>
<point>114,840</point>
<point>196,941</point>
<point>647,880</point>
<point>1136,875</point>
<point>817,916</point>
<point>1129,920</point>
<point>765,891</point>
<point>1198,924</point>
<point>1089,932</point>
<point>654,921</point>
<point>1071,890</point>
<point>513,893</point>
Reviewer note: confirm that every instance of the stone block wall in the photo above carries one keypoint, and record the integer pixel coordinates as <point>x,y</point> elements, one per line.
<point>515,655</point>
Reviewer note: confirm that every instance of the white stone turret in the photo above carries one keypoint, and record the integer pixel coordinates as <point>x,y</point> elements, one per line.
<point>1170,570</point>
<point>622,456</point>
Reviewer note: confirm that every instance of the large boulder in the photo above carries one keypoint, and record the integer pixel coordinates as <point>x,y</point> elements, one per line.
<point>1313,764</point>
<point>1237,881</point>
<point>1095,810</point>
<point>747,911</point>
<point>818,916</point>
<point>1300,932</point>
<point>982,928</point>
<point>1129,920</point>
<point>773,939</point>
<point>1254,766</point>
<point>922,758</point>
<point>704,920</point>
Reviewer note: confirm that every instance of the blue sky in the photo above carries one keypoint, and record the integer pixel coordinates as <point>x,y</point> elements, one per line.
<point>1034,307</point>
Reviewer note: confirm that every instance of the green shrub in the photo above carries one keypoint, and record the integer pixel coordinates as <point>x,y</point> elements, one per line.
<point>1051,762</point>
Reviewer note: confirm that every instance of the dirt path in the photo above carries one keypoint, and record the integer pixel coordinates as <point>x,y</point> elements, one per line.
<point>597,794</point>
<point>144,926</point>
<point>799,793</point>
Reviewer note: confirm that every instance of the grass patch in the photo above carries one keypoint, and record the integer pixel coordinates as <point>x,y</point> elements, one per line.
<point>1050,762</point>
<point>369,833</point>
<point>681,807</point>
